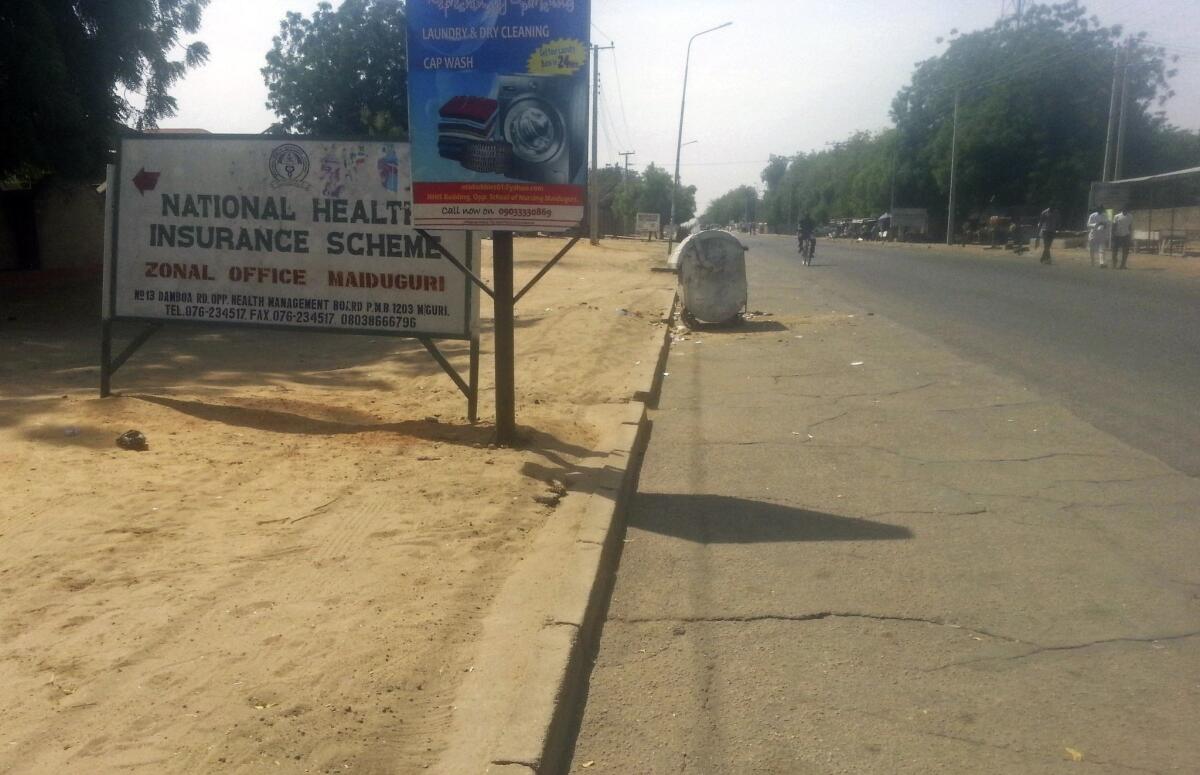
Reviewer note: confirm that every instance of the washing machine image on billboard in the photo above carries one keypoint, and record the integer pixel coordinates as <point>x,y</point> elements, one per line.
<point>533,129</point>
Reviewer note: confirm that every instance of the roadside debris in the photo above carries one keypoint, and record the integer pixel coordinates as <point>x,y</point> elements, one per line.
<point>135,441</point>
<point>557,492</point>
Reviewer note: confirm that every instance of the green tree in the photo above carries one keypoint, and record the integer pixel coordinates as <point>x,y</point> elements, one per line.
<point>656,196</point>
<point>607,187</point>
<point>774,173</point>
<point>342,72</point>
<point>737,206</point>
<point>68,68</point>
<point>650,192</point>
<point>1033,110</point>
<point>851,179</point>
<point>626,200</point>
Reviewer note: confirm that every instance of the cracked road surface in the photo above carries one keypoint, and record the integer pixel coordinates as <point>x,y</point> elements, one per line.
<point>869,539</point>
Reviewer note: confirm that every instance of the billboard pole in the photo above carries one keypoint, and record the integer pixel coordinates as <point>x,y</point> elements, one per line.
<point>506,393</point>
<point>106,312</point>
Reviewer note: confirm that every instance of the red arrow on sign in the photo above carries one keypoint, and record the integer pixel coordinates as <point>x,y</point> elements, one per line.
<point>145,181</point>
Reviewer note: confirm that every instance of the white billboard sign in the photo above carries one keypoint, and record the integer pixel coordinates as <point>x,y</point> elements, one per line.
<point>648,223</point>
<point>281,232</point>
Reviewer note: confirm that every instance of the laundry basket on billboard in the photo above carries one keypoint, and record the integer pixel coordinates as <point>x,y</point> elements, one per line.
<point>712,277</point>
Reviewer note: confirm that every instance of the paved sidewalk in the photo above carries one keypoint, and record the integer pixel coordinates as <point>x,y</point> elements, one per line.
<point>854,551</point>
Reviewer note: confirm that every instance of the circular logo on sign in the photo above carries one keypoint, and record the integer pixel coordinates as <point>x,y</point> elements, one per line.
<point>289,165</point>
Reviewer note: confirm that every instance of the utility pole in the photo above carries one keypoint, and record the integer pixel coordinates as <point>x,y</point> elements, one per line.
<point>593,187</point>
<point>625,180</point>
<point>1106,175</point>
<point>627,154</point>
<point>1017,7</point>
<point>1117,164</point>
<point>953,162</point>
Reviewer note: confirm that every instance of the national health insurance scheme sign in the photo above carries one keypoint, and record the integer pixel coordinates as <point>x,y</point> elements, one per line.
<point>498,112</point>
<point>282,232</point>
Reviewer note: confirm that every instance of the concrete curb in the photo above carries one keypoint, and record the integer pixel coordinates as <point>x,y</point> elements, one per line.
<point>649,393</point>
<point>518,708</point>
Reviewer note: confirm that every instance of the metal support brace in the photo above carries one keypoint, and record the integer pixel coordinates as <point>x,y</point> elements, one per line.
<point>545,269</point>
<point>446,366</point>
<point>460,265</point>
<point>108,364</point>
<point>473,381</point>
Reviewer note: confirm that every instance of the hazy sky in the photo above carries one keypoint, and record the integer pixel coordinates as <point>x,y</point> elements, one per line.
<point>789,75</point>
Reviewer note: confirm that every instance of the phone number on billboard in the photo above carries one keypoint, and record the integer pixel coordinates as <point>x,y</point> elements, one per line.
<point>525,212</point>
<point>196,312</point>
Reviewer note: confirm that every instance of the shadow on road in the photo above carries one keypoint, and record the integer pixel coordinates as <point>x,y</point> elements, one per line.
<point>718,519</point>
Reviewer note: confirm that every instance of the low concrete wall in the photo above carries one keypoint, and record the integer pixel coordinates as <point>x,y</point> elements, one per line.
<point>8,244</point>
<point>70,223</point>
<point>69,227</point>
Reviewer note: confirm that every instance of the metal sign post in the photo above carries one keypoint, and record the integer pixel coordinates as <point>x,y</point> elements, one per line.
<point>506,391</point>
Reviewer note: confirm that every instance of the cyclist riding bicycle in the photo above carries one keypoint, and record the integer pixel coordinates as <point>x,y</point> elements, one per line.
<point>807,239</point>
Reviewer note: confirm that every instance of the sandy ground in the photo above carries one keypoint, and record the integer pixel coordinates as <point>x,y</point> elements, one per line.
<point>290,579</point>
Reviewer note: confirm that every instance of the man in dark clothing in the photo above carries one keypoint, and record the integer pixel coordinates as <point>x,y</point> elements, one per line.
<point>805,236</point>
<point>1046,230</point>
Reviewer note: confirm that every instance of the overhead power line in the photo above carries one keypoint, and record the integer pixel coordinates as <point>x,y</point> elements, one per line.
<point>621,97</point>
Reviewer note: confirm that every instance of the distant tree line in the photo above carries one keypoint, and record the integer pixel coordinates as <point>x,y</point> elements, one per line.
<point>741,205</point>
<point>1033,117</point>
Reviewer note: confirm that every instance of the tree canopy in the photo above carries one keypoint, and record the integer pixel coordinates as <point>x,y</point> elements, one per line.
<point>73,72</point>
<point>650,192</point>
<point>737,206</point>
<point>342,72</point>
<point>1033,117</point>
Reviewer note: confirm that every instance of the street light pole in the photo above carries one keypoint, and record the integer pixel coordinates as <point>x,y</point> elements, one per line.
<point>679,138</point>
<point>953,162</point>
<point>1119,159</point>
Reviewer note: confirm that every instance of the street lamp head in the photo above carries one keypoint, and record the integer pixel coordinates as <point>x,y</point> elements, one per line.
<point>711,29</point>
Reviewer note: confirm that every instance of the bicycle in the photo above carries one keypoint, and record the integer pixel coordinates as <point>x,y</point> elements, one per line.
<point>808,248</point>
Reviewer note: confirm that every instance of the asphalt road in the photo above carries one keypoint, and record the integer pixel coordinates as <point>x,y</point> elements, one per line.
<point>929,513</point>
<point>1120,348</point>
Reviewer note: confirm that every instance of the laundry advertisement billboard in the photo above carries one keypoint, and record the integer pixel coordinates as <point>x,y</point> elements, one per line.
<point>282,232</point>
<point>498,112</point>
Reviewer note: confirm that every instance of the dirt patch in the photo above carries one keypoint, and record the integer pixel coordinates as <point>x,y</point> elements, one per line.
<point>293,572</point>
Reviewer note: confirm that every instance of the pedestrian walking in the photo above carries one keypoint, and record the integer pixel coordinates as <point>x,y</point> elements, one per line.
<point>1098,229</point>
<point>1047,228</point>
<point>1122,237</point>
